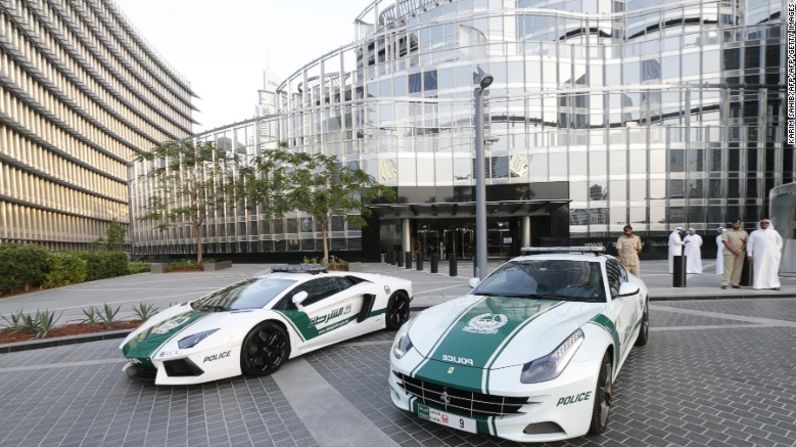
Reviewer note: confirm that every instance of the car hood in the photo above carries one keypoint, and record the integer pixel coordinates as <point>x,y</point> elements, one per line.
<point>497,332</point>
<point>177,324</point>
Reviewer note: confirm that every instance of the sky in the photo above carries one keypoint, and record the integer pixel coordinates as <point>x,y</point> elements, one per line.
<point>222,47</point>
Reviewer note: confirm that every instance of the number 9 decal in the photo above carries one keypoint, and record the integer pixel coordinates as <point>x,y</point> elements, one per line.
<point>461,423</point>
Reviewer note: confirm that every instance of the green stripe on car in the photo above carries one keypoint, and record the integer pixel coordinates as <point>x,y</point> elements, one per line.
<point>444,334</point>
<point>477,337</point>
<point>502,347</point>
<point>608,325</point>
<point>145,344</point>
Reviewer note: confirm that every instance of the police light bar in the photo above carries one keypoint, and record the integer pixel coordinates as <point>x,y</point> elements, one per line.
<point>312,269</point>
<point>545,250</point>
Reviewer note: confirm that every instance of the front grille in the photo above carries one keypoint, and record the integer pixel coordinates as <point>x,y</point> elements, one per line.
<point>460,401</point>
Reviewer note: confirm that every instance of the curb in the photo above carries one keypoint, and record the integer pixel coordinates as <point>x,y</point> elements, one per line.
<point>61,341</point>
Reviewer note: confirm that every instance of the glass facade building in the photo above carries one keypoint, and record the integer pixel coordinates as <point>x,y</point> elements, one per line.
<point>602,113</point>
<point>80,95</point>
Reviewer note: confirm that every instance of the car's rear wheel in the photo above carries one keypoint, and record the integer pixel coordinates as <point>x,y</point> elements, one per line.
<point>602,397</point>
<point>397,310</point>
<point>264,349</point>
<point>644,331</point>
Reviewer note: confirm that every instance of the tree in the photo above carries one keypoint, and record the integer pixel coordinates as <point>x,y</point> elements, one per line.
<point>189,182</point>
<point>115,233</point>
<point>322,187</point>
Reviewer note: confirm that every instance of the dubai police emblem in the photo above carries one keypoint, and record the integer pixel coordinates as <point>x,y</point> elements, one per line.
<point>487,324</point>
<point>169,325</point>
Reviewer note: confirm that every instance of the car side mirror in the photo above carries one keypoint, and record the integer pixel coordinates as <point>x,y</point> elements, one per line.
<point>300,297</point>
<point>473,282</point>
<point>627,289</point>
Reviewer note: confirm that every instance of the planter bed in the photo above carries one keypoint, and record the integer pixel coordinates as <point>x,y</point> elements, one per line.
<point>8,336</point>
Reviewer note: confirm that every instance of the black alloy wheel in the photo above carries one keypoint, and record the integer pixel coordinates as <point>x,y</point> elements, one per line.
<point>644,331</point>
<point>264,349</point>
<point>397,311</point>
<point>602,397</point>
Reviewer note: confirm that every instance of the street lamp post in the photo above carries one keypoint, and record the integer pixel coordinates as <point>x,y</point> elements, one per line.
<point>480,177</point>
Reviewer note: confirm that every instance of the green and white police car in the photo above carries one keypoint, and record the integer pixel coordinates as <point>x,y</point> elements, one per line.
<point>253,326</point>
<point>530,354</point>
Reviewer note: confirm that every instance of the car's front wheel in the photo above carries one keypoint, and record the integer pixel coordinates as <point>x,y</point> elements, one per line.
<point>644,330</point>
<point>264,349</point>
<point>397,310</point>
<point>602,397</point>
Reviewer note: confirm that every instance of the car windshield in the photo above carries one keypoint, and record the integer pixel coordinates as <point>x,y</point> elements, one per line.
<point>252,293</point>
<point>551,279</point>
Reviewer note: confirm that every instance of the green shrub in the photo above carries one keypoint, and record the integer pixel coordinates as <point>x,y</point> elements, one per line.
<point>21,267</point>
<point>138,267</point>
<point>107,315</point>
<point>64,269</point>
<point>45,322</point>
<point>105,264</point>
<point>145,311</point>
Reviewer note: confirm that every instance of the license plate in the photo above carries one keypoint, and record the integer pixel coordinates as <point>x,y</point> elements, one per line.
<point>446,419</point>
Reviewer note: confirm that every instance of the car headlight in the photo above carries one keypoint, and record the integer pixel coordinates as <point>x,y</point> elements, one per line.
<point>550,366</point>
<point>193,340</point>
<point>403,343</point>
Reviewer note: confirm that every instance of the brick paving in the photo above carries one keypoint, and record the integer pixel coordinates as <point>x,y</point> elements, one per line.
<point>715,373</point>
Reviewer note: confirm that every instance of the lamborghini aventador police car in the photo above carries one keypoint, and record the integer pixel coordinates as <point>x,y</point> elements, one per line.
<point>253,326</point>
<point>530,354</point>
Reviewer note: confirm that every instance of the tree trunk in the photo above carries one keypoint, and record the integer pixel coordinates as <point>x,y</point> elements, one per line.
<point>197,231</point>
<point>325,237</point>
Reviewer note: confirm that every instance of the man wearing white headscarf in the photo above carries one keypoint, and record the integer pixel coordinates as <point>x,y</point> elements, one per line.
<point>675,247</point>
<point>719,252</point>
<point>693,252</point>
<point>764,250</point>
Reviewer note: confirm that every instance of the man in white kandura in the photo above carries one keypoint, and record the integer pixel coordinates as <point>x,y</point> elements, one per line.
<point>764,250</point>
<point>719,252</point>
<point>693,252</point>
<point>675,247</point>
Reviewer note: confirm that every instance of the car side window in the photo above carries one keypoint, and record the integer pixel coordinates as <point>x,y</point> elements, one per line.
<point>343,282</point>
<point>614,271</point>
<point>318,289</point>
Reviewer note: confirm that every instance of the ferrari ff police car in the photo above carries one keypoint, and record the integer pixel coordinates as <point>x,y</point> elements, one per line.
<point>530,354</point>
<point>253,326</point>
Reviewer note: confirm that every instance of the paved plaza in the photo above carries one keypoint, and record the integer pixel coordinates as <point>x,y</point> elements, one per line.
<point>715,373</point>
<point>162,290</point>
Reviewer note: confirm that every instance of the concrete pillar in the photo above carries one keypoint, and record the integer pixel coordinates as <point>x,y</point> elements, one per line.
<point>525,231</point>
<point>407,236</point>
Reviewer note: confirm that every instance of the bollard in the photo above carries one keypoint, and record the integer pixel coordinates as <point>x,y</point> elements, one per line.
<point>399,258</point>
<point>419,262</point>
<point>452,268</point>
<point>679,275</point>
<point>434,263</point>
<point>408,256</point>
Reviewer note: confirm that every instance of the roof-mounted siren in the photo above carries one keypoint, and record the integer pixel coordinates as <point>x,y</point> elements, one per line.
<point>312,269</point>
<point>596,250</point>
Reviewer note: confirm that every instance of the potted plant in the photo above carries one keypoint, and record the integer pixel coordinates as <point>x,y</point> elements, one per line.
<point>337,264</point>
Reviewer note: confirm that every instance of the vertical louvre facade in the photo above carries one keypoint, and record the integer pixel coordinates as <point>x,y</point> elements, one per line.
<point>657,114</point>
<point>80,95</point>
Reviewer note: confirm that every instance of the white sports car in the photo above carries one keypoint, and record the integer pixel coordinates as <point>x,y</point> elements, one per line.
<point>530,354</point>
<point>253,326</point>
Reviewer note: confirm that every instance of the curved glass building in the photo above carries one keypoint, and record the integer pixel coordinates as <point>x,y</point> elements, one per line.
<point>602,113</point>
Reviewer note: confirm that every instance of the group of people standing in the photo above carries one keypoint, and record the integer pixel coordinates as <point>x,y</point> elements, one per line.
<point>763,249</point>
